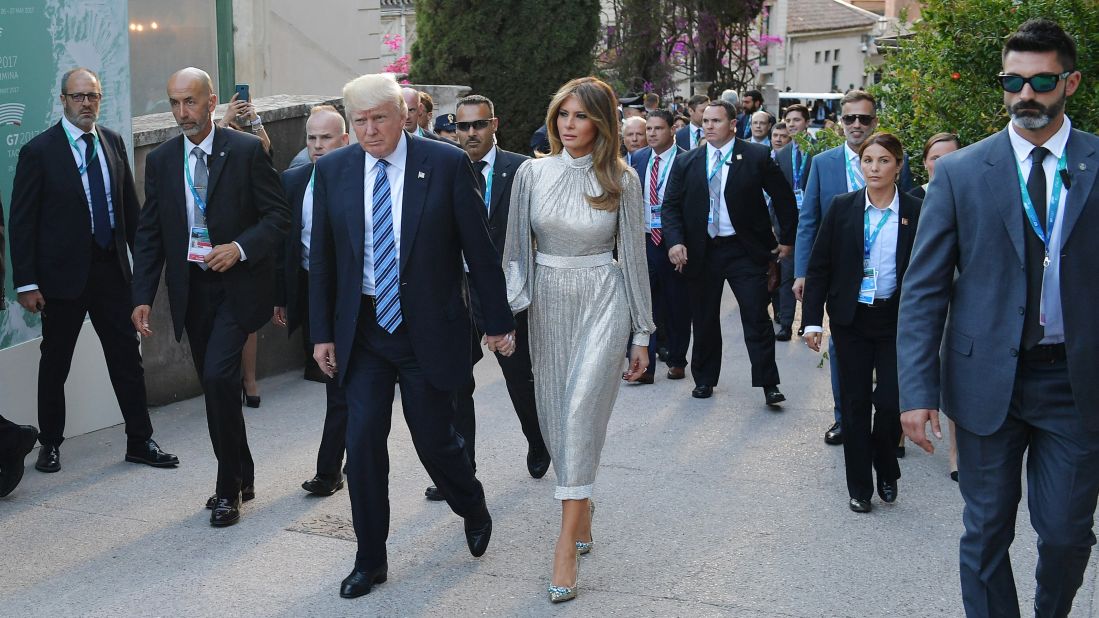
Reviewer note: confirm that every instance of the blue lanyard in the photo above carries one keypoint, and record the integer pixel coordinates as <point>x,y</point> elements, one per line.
<point>312,176</point>
<point>663,175</point>
<point>717,168</point>
<point>191,185</point>
<point>798,171</point>
<point>1054,203</point>
<point>84,159</point>
<point>852,177</point>
<point>868,238</point>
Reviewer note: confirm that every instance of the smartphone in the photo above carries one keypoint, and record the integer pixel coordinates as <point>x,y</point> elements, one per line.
<point>242,92</point>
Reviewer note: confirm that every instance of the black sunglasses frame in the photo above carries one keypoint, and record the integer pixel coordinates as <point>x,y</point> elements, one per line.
<point>1023,81</point>
<point>864,119</point>
<point>478,125</point>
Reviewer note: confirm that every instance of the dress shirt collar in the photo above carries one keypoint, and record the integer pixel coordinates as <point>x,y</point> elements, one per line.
<point>395,159</point>
<point>710,149</point>
<point>490,157</point>
<point>851,154</point>
<point>895,205</point>
<point>74,131</point>
<point>666,155</point>
<point>207,144</point>
<point>1055,145</point>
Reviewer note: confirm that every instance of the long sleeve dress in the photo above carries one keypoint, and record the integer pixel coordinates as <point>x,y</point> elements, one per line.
<point>583,305</point>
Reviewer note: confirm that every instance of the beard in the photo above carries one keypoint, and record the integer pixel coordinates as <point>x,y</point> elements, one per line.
<point>84,122</point>
<point>1032,115</point>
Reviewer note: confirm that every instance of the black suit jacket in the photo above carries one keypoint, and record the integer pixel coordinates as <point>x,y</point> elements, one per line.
<point>244,204</point>
<point>683,137</point>
<point>687,203</point>
<point>503,173</point>
<point>835,266</point>
<point>441,220</point>
<point>51,224</point>
<point>782,157</point>
<point>294,182</point>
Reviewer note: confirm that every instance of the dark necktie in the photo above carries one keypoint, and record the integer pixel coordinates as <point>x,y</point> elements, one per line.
<point>698,137</point>
<point>201,179</point>
<point>101,218</point>
<point>387,279</point>
<point>1035,250</point>
<point>480,167</point>
<point>797,164</point>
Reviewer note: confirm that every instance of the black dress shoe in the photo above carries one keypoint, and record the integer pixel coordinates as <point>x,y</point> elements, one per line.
<point>887,491</point>
<point>248,492</point>
<point>226,512</point>
<point>478,532</point>
<point>432,493</point>
<point>900,452</point>
<point>834,435</point>
<point>538,461</point>
<point>954,476</point>
<point>359,582</point>
<point>49,459</point>
<point>11,463</point>
<point>859,506</point>
<point>702,392</point>
<point>662,354</point>
<point>322,486</point>
<point>783,333</point>
<point>773,396</point>
<point>149,453</point>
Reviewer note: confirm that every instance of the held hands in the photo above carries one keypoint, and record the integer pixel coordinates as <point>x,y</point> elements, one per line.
<point>223,257</point>
<point>32,301</point>
<point>639,361</point>
<point>140,319</point>
<point>325,355</point>
<point>798,287</point>
<point>678,255</point>
<point>812,340</point>
<point>504,345</point>
<point>914,422</point>
<point>278,318</point>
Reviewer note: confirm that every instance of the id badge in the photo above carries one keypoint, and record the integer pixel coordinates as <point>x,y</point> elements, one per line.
<point>710,218</point>
<point>799,196</point>
<point>654,217</point>
<point>868,286</point>
<point>200,245</point>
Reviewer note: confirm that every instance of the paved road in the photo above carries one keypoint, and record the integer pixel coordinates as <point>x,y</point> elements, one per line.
<point>715,507</point>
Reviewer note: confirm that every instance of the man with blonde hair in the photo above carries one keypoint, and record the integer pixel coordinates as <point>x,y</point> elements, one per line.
<point>387,307</point>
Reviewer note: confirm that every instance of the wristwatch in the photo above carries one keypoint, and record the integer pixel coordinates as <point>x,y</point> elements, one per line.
<point>258,122</point>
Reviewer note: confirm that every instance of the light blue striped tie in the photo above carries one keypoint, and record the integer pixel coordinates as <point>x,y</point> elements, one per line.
<point>387,280</point>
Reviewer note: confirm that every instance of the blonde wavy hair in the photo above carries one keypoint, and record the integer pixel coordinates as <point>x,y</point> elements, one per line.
<point>600,103</point>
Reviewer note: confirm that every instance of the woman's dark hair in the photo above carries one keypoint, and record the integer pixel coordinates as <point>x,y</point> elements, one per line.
<point>938,138</point>
<point>1043,35</point>
<point>887,141</point>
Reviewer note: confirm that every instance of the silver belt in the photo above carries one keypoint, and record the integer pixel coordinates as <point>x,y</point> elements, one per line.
<point>574,261</point>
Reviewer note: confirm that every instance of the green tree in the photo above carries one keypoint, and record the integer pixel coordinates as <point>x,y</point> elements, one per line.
<point>943,77</point>
<point>515,52</point>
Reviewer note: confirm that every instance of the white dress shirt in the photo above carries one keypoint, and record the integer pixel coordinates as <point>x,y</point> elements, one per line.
<point>662,173</point>
<point>207,146</point>
<point>853,166</point>
<point>307,220</point>
<point>1051,280</point>
<point>395,174</point>
<point>695,133</point>
<point>490,162</point>
<point>724,223</point>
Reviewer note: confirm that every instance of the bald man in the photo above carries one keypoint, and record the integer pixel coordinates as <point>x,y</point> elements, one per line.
<point>633,136</point>
<point>213,220</point>
<point>416,115</point>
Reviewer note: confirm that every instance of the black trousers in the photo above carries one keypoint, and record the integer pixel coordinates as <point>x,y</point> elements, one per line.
<point>334,433</point>
<point>727,260</point>
<point>9,436</point>
<point>379,360</point>
<point>869,343</point>
<point>783,303</point>
<point>106,298</point>
<point>216,345</point>
<point>1043,422</point>
<point>671,310</point>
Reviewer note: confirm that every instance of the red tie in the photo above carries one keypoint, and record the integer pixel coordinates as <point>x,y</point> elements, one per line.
<point>654,198</point>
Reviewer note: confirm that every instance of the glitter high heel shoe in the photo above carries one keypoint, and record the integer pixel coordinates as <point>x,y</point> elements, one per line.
<point>584,547</point>
<point>560,594</point>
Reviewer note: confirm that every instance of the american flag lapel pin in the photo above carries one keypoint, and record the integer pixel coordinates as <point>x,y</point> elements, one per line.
<point>419,174</point>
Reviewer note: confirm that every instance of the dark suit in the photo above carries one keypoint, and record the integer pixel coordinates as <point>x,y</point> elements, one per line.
<point>783,300</point>
<point>245,204</point>
<point>52,247</point>
<point>429,353</point>
<point>740,259</point>
<point>518,374</point>
<point>962,351</point>
<point>865,335</point>
<point>683,137</point>
<point>292,292</point>
<point>671,308</point>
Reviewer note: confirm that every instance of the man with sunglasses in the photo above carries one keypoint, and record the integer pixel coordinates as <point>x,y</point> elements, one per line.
<point>74,213</point>
<point>1010,346</point>
<point>831,173</point>
<point>476,123</point>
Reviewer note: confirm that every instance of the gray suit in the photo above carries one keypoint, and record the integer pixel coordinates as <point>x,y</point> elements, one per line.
<point>960,341</point>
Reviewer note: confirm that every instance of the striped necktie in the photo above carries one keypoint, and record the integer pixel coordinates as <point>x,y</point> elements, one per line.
<point>654,198</point>
<point>387,281</point>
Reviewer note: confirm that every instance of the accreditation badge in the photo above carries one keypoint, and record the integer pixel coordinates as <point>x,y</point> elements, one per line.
<point>799,196</point>
<point>654,217</point>
<point>868,286</point>
<point>200,245</point>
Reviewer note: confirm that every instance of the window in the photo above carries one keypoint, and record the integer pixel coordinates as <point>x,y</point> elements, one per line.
<point>827,55</point>
<point>836,55</point>
<point>835,76</point>
<point>817,58</point>
<point>165,36</point>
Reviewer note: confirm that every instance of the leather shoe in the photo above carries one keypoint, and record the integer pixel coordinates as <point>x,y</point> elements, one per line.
<point>49,459</point>
<point>432,493</point>
<point>702,392</point>
<point>248,492</point>
<point>900,452</point>
<point>359,582</point>
<point>834,435</point>
<point>676,373</point>
<point>887,491</point>
<point>646,378</point>
<point>859,506</point>
<point>11,463</point>
<point>226,512</point>
<point>321,486</point>
<point>773,396</point>
<point>149,453</point>
<point>783,333</point>
<point>538,461</point>
<point>478,532</point>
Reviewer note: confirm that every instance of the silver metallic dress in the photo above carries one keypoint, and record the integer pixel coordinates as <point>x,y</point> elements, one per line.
<point>584,305</point>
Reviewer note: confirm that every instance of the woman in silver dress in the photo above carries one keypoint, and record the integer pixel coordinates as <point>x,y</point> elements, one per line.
<point>569,211</point>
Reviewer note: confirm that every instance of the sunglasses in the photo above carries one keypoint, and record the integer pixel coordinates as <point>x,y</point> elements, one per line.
<point>1042,82</point>
<point>477,125</point>
<point>80,96</point>
<point>864,119</point>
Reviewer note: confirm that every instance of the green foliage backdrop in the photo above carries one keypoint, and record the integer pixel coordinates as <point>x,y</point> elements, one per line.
<point>515,52</point>
<point>944,77</point>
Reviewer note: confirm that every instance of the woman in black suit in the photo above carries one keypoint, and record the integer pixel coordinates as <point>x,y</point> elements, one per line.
<point>938,145</point>
<point>857,266</point>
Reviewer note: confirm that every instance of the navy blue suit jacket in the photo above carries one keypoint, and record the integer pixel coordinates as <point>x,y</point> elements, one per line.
<point>683,137</point>
<point>441,220</point>
<point>640,165</point>
<point>294,182</point>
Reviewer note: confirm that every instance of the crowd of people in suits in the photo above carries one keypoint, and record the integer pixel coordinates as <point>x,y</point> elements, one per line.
<point>401,253</point>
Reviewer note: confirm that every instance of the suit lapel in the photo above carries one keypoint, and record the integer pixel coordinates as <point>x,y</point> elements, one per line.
<point>906,233</point>
<point>500,173</point>
<point>1004,193</point>
<point>65,154</point>
<point>1082,163</point>
<point>736,162</point>
<point>175,187</point>
<point>416,177</point>
<point>216,161</point>
<point>111,160</point>
<point>354,175</point>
